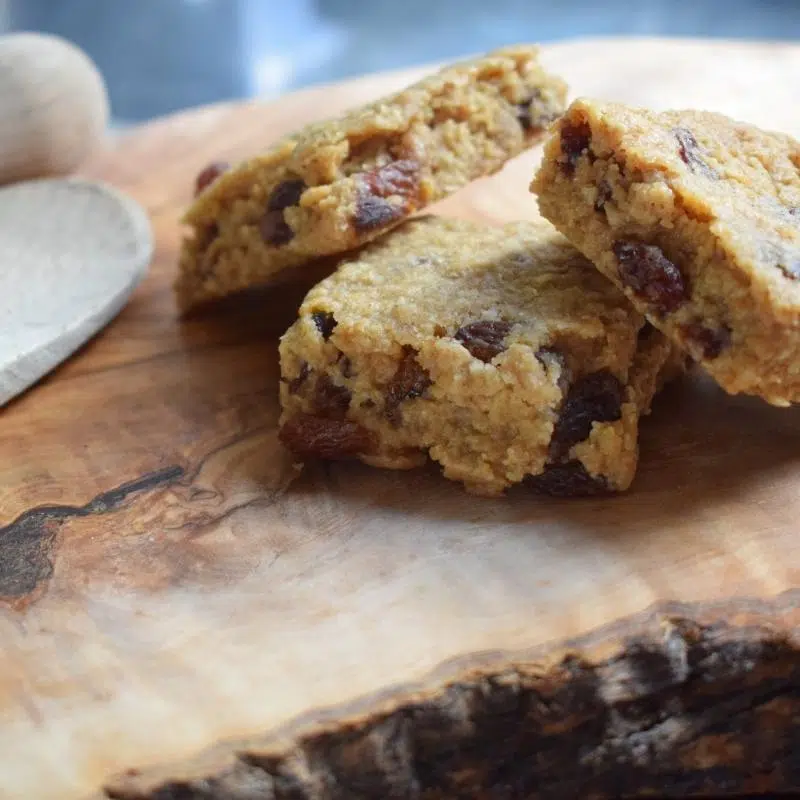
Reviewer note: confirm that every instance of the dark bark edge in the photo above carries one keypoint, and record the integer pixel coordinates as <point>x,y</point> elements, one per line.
<point>685,700</point>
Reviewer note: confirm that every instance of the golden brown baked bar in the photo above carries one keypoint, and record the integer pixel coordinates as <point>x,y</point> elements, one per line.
<point>340,183</point>
<point>697,217</point>
<point>499,352</point>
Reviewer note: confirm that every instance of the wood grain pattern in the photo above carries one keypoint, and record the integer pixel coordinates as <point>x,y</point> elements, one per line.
<point>176,623</point>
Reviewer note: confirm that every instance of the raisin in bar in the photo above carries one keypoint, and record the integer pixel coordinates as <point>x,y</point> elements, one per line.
<point>342,182</point>
<point>697,217</point>
<point>499,352</point>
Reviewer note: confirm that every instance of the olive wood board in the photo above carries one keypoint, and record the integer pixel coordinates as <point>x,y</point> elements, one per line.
<point>178,621</point>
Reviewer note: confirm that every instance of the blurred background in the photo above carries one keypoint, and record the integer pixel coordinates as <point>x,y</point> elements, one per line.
<point>160,56</point>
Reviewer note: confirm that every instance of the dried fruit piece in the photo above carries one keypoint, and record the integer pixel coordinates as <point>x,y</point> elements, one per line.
<point>325,322</point>
<point>375,212</point>
<point>708,342</point>
<point>567,480</point>
<point>575,140</point>
<point>535,113</point>
<point>285,194</point>
<point>309,436</point>
<point>295,383</point>
<point>484,339</point>
<point>689,151</point>
<point>330,400</point>
<point>593,398</point>
<point>596,397</point>
<point>208,175</point>
<point>395,179</point>
<point>409,381</point>
<point>274,229</point>
<point>651,275</point>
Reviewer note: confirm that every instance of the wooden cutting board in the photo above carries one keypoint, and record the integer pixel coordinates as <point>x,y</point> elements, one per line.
<point>177,623</point>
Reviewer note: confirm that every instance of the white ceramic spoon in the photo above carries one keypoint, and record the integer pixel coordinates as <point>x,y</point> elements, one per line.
<point>71,253</point>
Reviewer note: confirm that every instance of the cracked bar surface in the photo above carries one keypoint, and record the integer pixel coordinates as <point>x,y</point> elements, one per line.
<point>339,183</point>
<point>697,217</point>
<point>499,352</point>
